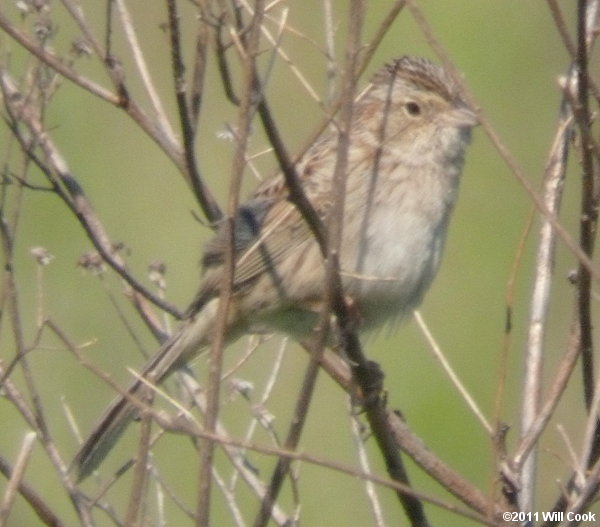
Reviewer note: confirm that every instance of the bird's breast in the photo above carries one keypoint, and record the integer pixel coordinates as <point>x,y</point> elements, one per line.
<point>392,249</point>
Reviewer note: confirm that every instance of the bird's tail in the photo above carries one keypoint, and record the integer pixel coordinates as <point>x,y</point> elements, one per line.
<point>193,335</point>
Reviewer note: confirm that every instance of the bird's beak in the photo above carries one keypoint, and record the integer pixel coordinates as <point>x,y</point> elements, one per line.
<point>460,117</point>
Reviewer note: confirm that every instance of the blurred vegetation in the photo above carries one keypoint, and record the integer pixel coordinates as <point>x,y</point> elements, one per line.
<point>511,56</point>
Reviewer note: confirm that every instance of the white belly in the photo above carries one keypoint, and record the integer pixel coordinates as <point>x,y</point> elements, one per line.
<point>399,254</point>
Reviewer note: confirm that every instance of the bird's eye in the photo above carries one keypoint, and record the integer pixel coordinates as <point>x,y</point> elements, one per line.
<point>412,108</point>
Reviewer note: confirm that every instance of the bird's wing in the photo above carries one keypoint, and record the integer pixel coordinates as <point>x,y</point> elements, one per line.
<point>267,232</point>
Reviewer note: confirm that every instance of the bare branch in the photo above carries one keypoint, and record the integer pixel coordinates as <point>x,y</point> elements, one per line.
<point>42,509</point>
<point>16,477</point>
<point>187,122</point>
<point>552,191</point>
<point>437,352</point>
<point>503,150</point>
<point>69,189</point>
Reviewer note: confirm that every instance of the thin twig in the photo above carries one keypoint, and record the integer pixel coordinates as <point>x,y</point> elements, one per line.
<point>586,459</point>
<point>196,91</point>
<point>27,413</point>
<point>67,187</point>
<point>540,298</point>
<point>138,58</point>
<point>561,26</point>
<point>42,509</point>
<point>342,468</point>
<point>16,477</point>
<point>363,460</point>
<point>120,98</point>
<point>589,213</point>
<point>140,469</point>
<point>266,393</point>
<point>502,149</point>
<point>382,31</point>
<point>47,57</point>
<point>331,65</point>
<point>236,454</point>
<point>330,248</point>
<point>202,193</point>
<point>275,42</point>
<point>440,471</point>
<point>246,113</point>
<point>439,355</point>
<point>365,373</point>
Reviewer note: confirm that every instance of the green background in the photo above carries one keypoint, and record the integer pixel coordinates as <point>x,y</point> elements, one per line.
<point>511,56</point>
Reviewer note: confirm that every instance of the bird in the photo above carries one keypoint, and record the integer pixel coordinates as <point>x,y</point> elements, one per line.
<point>409,133</point>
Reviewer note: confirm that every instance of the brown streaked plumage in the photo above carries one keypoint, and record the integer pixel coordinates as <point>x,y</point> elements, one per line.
<point>410,131</point>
